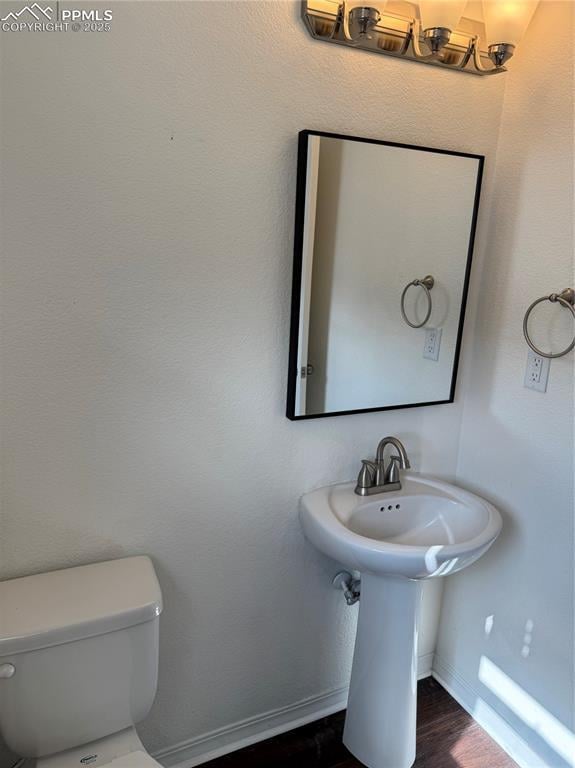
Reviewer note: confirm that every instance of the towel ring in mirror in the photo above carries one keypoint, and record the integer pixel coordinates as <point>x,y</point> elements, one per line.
<point>567,299</point>
<point>427,284</point>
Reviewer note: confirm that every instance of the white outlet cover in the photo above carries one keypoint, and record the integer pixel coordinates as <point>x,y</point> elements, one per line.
<point>432,343</point>
<point>536,372</point>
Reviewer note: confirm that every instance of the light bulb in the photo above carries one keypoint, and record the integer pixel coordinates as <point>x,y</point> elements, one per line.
<point>506,22</point>
<point>443,14</point>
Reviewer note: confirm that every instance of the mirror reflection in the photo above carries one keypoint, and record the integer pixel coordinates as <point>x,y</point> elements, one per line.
<point>384,234</point>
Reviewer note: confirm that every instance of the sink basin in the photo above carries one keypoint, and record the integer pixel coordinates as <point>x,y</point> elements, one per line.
<point>427,529</point>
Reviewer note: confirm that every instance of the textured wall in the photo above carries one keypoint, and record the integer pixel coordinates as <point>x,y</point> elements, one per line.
<point>516,444</point>
<point>149,184</point>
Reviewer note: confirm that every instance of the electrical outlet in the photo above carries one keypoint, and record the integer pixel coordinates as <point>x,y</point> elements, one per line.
<point>536,372</point>
<point>432,343</point>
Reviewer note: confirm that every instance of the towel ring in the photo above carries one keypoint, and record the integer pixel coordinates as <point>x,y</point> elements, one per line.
<point>567,299</point>
<point>427,284</point>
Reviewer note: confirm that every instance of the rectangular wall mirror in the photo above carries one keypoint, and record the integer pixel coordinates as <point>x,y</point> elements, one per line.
<point>383,244</point>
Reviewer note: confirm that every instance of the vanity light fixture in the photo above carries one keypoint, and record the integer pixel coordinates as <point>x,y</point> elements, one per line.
<point>429,31</point>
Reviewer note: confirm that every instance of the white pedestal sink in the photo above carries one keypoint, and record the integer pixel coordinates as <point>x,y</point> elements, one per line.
<point>425,530</point>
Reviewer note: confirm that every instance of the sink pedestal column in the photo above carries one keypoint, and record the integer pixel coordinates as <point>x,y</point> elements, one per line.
<point>382,703</point>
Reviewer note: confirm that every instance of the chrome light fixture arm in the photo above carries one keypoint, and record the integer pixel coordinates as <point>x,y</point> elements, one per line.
<point>413,43</point>
<point>478,64</point>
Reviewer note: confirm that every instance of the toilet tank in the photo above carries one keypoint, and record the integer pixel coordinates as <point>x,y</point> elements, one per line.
<point>78,654</point>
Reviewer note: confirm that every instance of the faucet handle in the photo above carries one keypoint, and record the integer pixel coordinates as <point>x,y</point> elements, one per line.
<point>392,471</point>
<point>366,477</point>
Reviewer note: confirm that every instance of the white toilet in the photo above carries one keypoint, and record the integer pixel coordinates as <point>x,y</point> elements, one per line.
<point>79,663</point>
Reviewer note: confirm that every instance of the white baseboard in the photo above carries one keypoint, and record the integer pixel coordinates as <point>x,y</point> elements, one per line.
<point>491,721</point>
<point>200,749</point>
<point>425,665</point>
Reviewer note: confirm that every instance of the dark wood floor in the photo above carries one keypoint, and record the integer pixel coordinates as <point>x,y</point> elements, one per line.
<point>447,737</point>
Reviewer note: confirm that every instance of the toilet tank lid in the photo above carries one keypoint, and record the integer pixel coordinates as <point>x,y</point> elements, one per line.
<point>75,603</point>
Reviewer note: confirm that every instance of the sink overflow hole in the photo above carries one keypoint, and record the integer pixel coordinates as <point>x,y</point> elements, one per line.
<point>397,506</point>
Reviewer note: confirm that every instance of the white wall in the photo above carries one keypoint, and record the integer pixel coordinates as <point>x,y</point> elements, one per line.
<point>516,444</point>
<point>149,184</point>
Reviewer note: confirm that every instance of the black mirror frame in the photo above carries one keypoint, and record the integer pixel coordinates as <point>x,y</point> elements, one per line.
<point>298,260</point>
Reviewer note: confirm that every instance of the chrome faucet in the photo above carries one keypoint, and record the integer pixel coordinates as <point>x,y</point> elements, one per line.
<point>375,477</point>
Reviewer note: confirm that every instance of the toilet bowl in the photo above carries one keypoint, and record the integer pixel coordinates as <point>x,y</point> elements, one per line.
<point>79,664</point>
